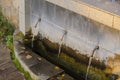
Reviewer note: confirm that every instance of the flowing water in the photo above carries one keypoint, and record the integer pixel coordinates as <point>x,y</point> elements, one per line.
<point>33,37</point>
<point>35,32</point>
<point>90,60</point>
<point>61,42</point>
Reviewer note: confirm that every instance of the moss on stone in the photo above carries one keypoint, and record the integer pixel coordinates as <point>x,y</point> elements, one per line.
<point>49,51</point>
<point>6,28</point>
<point>18,65</point>
<point>14,58</point>
<point>53,47</point>
<point>73,63</point>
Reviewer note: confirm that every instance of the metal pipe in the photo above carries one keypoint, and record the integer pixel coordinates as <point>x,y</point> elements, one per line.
<point>39,20</point>
<point>90,60</point>
<point>61,42</point>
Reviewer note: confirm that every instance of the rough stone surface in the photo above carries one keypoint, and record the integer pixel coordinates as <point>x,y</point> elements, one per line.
<point>92,9</point>
<point>8,71</point>
<point>38,67</point>
<point>10,10</point>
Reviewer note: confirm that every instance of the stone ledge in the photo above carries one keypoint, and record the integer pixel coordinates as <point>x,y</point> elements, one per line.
<point>89,11</point>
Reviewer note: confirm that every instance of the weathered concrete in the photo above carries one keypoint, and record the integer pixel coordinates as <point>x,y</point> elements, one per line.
<point>22,15</point>
<point>10,10</point>
<point>87,26</point>
<point>83,33</point>
<point>8,71</point>
<point>92,12</point>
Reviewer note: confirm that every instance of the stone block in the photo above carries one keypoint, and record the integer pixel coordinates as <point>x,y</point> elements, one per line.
<point>116,24</point>
<point>101,16</point>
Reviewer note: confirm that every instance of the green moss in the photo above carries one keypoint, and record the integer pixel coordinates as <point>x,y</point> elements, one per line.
<point>6,28</point>
<point>6,35</point>
<point>18,65</point>
<point>19,36</point>
<point>53,47</point>
<point>74,68</point>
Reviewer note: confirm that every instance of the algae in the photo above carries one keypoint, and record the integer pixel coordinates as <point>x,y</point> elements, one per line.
<point>53,47</point>
<point>75,68</point>
<point>6,36</point>
<point>6,29</point>
<point>20,68</point>
<point>9,44</point>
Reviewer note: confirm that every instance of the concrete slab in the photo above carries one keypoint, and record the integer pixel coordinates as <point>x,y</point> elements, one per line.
<point>38,65</point>
<point>29,62</point>
<point>16,75</point>
<point>45,69</point>
<point>7,65</point>
<point>8,71</point>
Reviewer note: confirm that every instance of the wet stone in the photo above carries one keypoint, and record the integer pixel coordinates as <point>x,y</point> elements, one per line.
<point>16,75</point>
<point>39,59</point>
<point>28,56</point>
<point>45,69</point>
<point>62,76</point>
<point>7,68</point>
<point>22,48</point>
<point>7,65</point>
<point>29,62</point>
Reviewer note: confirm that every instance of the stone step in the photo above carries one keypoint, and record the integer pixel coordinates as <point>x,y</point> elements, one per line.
<point>39,66</point>
<point>62,76</point>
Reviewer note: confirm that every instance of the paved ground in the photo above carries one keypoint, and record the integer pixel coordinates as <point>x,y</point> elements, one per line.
<point>8,71</point>
<point>108,5</point>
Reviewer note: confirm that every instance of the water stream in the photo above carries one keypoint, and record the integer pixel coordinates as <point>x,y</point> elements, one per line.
<point>61,42</point>
<point>33,36</point>
<point>90,60</point>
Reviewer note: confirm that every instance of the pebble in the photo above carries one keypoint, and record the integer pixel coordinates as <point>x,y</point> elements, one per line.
<point>28,56</point>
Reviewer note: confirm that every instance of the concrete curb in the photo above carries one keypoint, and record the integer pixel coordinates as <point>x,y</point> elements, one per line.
<point>17,51</point>
<point>37,67</point>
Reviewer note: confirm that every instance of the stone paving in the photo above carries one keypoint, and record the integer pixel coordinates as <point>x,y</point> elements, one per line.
<point>8,71</point>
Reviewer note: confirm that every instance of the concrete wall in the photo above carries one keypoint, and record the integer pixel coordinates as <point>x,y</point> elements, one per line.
<point>86,25</point>
<point>83,33</point>
<point>104,17</point>
<point>10,10</point>
<point>85,28</point>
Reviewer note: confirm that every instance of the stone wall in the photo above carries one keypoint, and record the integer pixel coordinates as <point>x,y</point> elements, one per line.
<point>83,33</point>
<point>104,17</point>
<point>10,10</point>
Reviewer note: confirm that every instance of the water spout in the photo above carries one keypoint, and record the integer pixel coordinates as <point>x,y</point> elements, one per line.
<point>33,36</point>
<point>61,42</point>
<point>39,20</point>
<point>90,60</point>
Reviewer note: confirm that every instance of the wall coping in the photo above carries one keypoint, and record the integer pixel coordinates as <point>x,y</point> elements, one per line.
<point>105,17</point>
